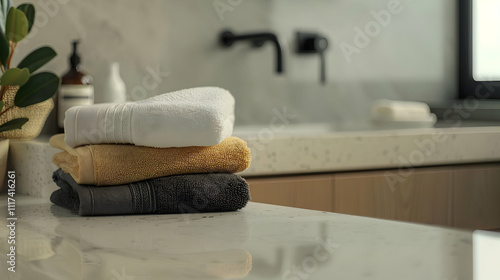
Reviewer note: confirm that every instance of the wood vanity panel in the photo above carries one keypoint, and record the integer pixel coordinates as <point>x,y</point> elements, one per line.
<point>476,197</point>
<point>423,197</point>
<point>466,196</point>
<point>313,192</point>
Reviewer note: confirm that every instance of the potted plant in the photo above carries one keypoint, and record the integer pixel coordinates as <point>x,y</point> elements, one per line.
<point>25,96</point>
<point>21,84</point>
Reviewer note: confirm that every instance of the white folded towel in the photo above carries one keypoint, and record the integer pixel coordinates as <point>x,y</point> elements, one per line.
<point>192,117</point>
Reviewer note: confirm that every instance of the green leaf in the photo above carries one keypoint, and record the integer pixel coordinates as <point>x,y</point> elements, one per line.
<point>4,49</point>
<point>16,27</point>
<point>39,88</point>
<point>29,11</point>
<point>13,124</point>
<point>4,10</point>
<point>15,77</point>
<point>37,58</point>
<point>1,105</point>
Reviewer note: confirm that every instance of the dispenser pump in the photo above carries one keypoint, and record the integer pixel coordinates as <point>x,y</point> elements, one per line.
<point>76,87</point>
<point>74,59</point>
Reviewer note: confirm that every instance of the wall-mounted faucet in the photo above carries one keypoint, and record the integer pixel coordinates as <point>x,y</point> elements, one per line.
<point>313,43</point>
<point>228,38</point>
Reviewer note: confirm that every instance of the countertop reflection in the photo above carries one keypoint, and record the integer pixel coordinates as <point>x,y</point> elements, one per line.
<point>259,242</point>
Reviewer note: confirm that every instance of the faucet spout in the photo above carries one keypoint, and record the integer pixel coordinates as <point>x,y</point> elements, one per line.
<point>228,38</point>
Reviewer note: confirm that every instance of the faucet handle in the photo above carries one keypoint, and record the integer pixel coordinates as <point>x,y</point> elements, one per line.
<point>227,38</point>
<point>313,43</point>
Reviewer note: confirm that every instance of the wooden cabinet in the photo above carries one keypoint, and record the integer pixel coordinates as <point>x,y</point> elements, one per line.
<point>460,196</point>
<point>423,197</point>
<point>476,197</point>
<point>308,192</point>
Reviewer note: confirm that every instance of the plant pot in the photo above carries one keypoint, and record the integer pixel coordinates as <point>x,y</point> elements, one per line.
<point>4,152</point>
<point>37,114</point>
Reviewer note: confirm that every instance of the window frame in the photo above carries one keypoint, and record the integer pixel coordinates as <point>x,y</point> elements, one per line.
<point>468,87</point>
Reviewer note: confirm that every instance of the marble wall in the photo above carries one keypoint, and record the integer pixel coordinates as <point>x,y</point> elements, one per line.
<point>378,49</point>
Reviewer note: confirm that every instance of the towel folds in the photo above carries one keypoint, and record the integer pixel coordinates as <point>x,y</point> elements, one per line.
<point>193,193</point>
<point>193,117</point>
<point>123,164</point>
<point>169,154</point>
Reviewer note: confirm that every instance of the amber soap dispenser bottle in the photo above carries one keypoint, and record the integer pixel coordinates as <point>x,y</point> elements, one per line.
<point>76,88</point>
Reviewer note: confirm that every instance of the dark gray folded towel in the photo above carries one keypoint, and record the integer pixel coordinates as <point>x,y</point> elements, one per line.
<point>191,193</point>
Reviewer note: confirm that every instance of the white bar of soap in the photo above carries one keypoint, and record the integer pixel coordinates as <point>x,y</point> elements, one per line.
<point>389,110</point>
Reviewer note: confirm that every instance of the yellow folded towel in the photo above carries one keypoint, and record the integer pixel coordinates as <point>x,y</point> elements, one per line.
<point>122,164</point>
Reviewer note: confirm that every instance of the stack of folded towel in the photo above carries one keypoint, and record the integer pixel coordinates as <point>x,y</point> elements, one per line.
<point>173,153</point>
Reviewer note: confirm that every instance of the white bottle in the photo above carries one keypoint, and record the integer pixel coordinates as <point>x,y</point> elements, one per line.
<point>113,89</point>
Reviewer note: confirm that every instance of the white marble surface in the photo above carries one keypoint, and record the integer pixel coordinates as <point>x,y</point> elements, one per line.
<point>32,162</point>
<point>403,149</point>
<point>259,242</point>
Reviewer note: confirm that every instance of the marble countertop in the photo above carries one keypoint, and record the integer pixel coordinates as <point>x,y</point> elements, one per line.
<point>259,242</point>
<point>295,152</point>
<point>308,149</point>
